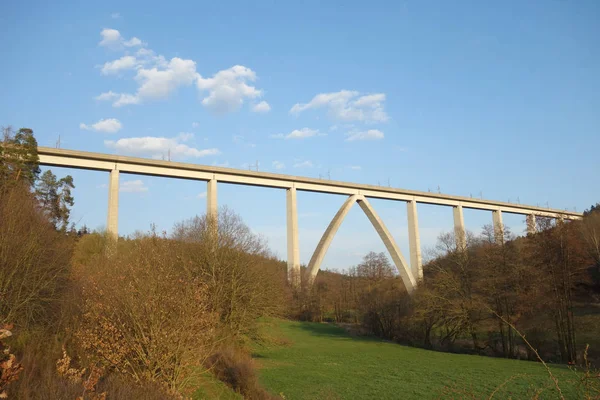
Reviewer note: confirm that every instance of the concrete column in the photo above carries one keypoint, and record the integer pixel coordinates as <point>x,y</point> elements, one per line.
<point>293,251</point>
<point>498,226</point>
<point>531,226</point>
<point>460,233</point>
<point>414,241</point>
<point>212,211</point>
<point>211,199</point>
<point>112,219</point>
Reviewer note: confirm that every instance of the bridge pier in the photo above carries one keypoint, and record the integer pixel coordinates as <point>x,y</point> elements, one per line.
<point>211,199</point>
<point>498,226</point>
<point>293,250</point>
<point>460,234</point>
<point>414,240</point>
<point>112,219</point>
<point>531,226</point>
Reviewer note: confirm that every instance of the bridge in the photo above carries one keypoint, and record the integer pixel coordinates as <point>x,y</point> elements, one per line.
<point>357,193</point>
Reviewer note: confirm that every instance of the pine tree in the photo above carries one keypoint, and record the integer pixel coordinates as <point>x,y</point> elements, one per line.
<point>593,208</point>
<point>55,198</point>
<point>19,161</point>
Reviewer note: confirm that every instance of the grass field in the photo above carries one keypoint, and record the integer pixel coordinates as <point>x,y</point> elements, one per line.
<point>323,362</point>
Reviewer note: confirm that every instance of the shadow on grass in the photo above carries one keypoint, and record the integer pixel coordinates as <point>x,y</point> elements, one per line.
<point>332,331</point>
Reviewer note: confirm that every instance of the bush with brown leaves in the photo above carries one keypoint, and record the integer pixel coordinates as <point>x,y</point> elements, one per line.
<point>143,314</point>
<point>9,367</point>
<point>236,368</point>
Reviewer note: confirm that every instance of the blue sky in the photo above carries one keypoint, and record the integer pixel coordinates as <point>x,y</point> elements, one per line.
<point>500,100</point>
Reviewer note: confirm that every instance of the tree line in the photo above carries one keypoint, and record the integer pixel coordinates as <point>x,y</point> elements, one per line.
<point>19,165</point>
<point>499,295</point>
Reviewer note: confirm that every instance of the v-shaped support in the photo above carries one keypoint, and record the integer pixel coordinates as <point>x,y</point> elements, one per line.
<point>317,258</point>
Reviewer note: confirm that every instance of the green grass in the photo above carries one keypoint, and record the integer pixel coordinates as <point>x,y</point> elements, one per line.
<point>323,362</point>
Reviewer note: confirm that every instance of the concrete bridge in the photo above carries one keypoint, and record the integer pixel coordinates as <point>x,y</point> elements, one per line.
<point>357,193</point>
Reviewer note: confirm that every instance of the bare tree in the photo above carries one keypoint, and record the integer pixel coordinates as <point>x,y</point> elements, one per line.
<point>557,255</point>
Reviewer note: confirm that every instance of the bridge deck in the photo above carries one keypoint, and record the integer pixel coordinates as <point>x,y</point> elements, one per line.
<point>142,166</point>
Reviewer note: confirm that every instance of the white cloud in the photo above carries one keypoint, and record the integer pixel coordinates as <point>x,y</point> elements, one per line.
<point>278,165</point>
<point>112,39</point>
<point>223,164</point>
<point>148,57</point>
<point>136,186</point>
<point>201,195</point>
<point>125,99</point>
<point>371,134</point>
<point>133,42</point>
<point>156,83</point>
<point>120,99</point>
<point>262,107</point>
<point>158,78</point>
<point>106,96</point>
<point>115,15</point>
<point>195,124</point>
<point>110,125</point>
<point>123,63</point>
<point>228,88</point>
<point>346,105</point>
<point>143,57</point>
<point>159,147</point>
<point>355,167</point>
<point>303,164</point>
<point>298,134</point>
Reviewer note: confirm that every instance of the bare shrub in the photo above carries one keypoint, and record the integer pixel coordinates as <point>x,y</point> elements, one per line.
<point>89,247</point>
<point>236,368</point>
<point>34,259</point>
<point>589,380</point>
<point>243,280</point>
<point>143,314</point>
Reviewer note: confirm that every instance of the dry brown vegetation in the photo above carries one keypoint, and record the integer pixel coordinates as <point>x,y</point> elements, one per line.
<point>137,317</point>
<point>237,369</point>
<point>96,319</point>
<point>34,259</point>
<point>244,281</point>
<point>143,312</point>
<point>156,310</point>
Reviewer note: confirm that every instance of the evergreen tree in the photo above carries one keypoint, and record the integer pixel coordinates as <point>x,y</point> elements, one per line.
<point>593,208</point>
<point>19,159</point>
<point>54,196</point>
